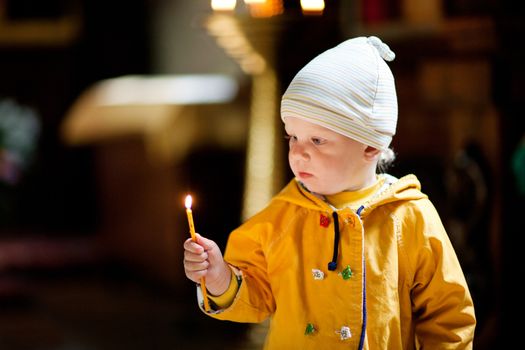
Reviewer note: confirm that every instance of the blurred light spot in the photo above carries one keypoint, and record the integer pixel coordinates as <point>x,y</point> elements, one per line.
<point>312,6</point>
<point>180,90</point>
<point>223,5</point>
<point>266,8</point>
<point>261,169</point>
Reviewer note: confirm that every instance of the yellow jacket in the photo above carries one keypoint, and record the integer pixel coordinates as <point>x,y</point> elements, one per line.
<point>415,293</point>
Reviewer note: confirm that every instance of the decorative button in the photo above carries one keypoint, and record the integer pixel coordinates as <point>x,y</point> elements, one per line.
<point>350,220</point>
<point>324,221</point>
<point>345,333</point>
<point>310,329</point>
<point>318,274</point>
<point>346,273</point>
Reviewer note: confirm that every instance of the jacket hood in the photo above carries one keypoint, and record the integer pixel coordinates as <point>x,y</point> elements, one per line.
<point>406,188</point>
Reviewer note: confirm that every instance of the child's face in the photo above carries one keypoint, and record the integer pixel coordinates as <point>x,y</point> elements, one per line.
<point>324,161</point>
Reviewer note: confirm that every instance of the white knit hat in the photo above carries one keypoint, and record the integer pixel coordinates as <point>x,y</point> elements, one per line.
<point>348,89</point>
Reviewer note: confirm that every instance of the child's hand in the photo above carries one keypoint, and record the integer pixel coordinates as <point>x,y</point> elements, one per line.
<point>203,258</point>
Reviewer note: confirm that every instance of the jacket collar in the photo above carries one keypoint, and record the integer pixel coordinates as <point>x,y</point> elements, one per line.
<point>406,188</point>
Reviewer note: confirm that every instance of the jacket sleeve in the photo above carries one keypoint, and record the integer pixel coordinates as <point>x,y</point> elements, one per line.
<point>254,301</point>
<point>442,306</point>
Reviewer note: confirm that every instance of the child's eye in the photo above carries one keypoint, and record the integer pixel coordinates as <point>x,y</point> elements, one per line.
<point>290,138</point>
<point>317,141</point>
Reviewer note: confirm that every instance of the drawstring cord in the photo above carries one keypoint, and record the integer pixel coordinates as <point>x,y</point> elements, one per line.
<point>332,265</point>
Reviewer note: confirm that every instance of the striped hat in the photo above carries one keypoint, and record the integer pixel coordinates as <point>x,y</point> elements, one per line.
<point>348,89</point>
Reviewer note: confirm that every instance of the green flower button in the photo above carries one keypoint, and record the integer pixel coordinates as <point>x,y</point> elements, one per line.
<point>347,272</point>
<point>310,329</point>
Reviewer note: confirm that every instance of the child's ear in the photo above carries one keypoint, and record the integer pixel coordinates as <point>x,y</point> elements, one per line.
<point>371,153</point>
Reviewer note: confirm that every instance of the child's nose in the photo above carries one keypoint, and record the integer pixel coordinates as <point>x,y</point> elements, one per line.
<point>299,151</point>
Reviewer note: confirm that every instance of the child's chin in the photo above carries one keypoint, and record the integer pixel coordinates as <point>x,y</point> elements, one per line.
<point>312,185</point>
<point>314,189</point>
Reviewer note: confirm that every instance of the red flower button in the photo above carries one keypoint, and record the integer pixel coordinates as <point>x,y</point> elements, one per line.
<point>324,221</point>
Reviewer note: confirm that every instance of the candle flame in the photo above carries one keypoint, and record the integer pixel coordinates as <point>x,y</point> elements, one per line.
<point>188,202</point>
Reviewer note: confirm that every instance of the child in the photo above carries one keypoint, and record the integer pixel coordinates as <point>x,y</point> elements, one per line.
<point>341,257</point>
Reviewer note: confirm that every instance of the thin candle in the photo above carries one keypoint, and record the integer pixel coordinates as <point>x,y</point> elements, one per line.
<point>188,203</point>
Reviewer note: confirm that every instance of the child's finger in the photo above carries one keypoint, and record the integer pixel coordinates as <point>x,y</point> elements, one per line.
<point>196,276</point>
<point>206,243</point>
<point>195,257</point>
<point>213,250</point>
<point>194,247</point>
<point>191,266</point>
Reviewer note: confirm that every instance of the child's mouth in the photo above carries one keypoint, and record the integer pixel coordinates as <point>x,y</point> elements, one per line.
<point>304,175</point>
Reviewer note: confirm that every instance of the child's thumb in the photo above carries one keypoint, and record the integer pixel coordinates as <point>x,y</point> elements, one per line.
<point>206,243</point>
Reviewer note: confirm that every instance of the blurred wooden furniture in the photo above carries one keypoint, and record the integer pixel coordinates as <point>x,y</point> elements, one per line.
<point>142,128</point>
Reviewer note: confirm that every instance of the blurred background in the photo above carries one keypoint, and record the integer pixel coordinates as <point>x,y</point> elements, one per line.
<point>112,111</point>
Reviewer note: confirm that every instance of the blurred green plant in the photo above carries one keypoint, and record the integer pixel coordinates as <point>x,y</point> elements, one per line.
<point>19,130</point>
<point>518,166</point>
